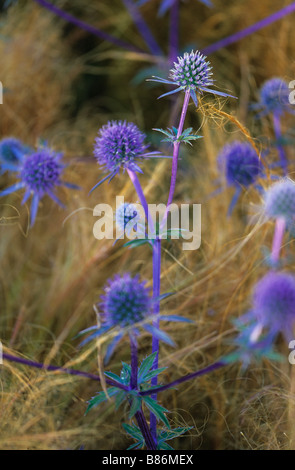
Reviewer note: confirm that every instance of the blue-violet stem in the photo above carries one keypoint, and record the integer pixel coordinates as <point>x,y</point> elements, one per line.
<point>278,238</point>
<point>142,27</point>
<point>278,134</point>
<point>185,378</point>
<point>134,362</point>
<point>90,29</point>
<point>156,322</point>
<point>176,153</point>
<point>250,30</point>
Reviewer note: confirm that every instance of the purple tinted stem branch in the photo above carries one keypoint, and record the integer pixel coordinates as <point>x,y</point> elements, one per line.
<point>90,29</point>
<point>174,31</point>
<point>278,134</point>
<point>50,368</point>
<point>185,378</point>
<point>156,322</point>
<point>176,154</point>
<point>142,27</point>
<point>134,362</point>
<point>250,30</point>
<point>278,238</point>
<point>143,426</point>
<point>141,196</point>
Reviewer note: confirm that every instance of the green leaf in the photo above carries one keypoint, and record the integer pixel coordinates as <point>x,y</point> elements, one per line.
<point>100,398</point>
<point>146,365</point>
<point>114,377</point>
<point>164,446</point>
<point>137,242</point>
<point>135,406</point>
<point>157,410</point>
<point>119,399</point>
<point>153,373</point>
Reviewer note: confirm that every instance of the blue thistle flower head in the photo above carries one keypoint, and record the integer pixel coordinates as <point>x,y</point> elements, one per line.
<point>274,95</point>
<point>274,302</point>
<point>240,163</point>
<point>274,98</point>
<point>125,213</point>
<point>39,175</point>
<point>41,171</point>
<point>126,301</point>
<point>119,144</point>
<point>192,72</point>
<point>12,152</point>
<point>279,200</point>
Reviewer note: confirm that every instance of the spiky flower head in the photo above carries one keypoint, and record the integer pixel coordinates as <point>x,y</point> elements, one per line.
<point>119,144</point>
<point>191,73</point>
<point>126,301</point>
<point>41,171</point>
<point>40,175</point>
<point>279,200</point>
<point>240,164</point>
<point>274,96</point>
<point>125,213</point>
<point>274,302</point>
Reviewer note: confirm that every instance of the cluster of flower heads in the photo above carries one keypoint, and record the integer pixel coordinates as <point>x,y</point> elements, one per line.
<point>241,166</point>
<point>167,4</point>
<point>274,98</point>
<point>120,145</point>
<point>39,174</point>
<point>192,72</point>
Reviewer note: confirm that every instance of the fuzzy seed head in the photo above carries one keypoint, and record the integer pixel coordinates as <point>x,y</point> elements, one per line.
<point>240,164</point>
<point>41,171</point>
<point>119,145</point>
<point>192,71</point>
<point>126,301</point>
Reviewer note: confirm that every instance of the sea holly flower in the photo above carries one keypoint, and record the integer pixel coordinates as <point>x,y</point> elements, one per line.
<point>167,4</point>
<point>126,306</point>
<point>40,175</point>
<point>279,203</point>
<point>120,145</point>
<point>192,72</point>
<point>12,153</point>
<point>126,213</point>
<point>274,98</point>
<point>185,137</point>
<point>241,165</point>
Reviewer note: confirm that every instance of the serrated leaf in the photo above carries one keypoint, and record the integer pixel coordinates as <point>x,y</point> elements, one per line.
<point>133,431</point>
<point>100,398</point>
<point>164,446</point>
<point>146,365</point>
<point>153,373</point>
<point>114,377</point>
<point>157,410</point>
<point>119,399</point>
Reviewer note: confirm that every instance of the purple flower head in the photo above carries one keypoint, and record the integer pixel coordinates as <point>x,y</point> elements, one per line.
<point>126,301</point>
<point>279,202</point>
<point>41,171</point>
<point>40,175</point>
<point>240,163</point>
<point>274,97</point>
<point>192,72</point>
<point>12,152</point>
<point>119,144</point>
<point>274,302</point>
